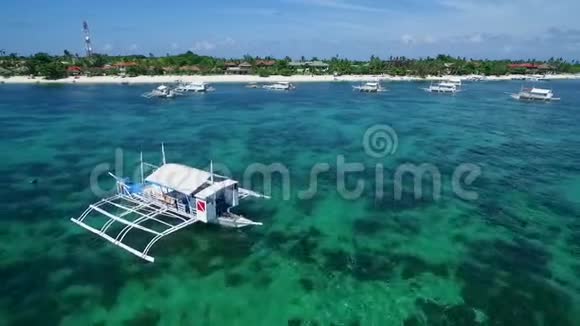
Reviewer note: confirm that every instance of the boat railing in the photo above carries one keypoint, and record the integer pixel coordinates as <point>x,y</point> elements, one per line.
<point>181,207</point>
<point>170,203</point>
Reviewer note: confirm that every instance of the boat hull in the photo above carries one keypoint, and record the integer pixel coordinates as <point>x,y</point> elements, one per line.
<point>439,91</point>
<point>533,98</point>
<point>273,88</point>
<point>366,90</point>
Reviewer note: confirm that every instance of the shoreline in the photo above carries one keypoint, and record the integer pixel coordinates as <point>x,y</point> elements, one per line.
<point>253,79</point>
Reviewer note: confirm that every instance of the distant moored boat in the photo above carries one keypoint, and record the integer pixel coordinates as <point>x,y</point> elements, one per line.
<point>455,81</point>
<point>161,91</point>
<point>370,87</point>
<point>443,87</point>
<point>280,86</point>
<point>197,87</point>
<point>535,94</point>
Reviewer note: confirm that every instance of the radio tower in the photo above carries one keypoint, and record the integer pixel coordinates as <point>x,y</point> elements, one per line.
<point>88,46</point>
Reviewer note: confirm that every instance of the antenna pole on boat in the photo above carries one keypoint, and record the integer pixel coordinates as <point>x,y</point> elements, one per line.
<point>163,153</point>
<point>141,159</point>
<point>211,171</point>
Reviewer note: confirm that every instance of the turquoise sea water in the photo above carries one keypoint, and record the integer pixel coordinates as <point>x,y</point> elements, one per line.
<point>510,257</point>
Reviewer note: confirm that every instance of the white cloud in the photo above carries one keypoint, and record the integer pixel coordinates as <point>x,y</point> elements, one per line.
<point>429,39</point>
<point>108,47</point>
<point>228,41</point>
<point>252,11</point>
<point>203,46</point>
<point>133,47</point>
<point>475,38</point>
<point>407,39</point>
<point>518,17</point>
<point>340,5</point>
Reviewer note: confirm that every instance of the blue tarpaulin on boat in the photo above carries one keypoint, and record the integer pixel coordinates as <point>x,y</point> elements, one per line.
<point>136,188</point>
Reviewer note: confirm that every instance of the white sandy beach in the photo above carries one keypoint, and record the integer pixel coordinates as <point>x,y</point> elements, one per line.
<point>247,79</point>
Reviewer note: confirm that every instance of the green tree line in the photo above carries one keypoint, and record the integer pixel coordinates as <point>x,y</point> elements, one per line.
<point>55,66</point>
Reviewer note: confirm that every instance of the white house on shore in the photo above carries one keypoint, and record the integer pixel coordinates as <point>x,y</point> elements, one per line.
<point>308,66</point>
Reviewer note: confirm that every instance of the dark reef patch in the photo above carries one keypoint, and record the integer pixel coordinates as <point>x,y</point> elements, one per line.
<point>507,281</point>
<point>295,322</point>
<point>372,265</point>
<point>147,317</point>
<point>414,266</point>
<point>307,206</point>
<point>407,201</point>
<point>306,284</point>
<point>368,226</point>
<point>302,246</point>
<point>438,315</point>
<point>233,279</point>
<point>520,256</point>
<point>367,266</point>
<point>304,249</point>
<point>32,288</point>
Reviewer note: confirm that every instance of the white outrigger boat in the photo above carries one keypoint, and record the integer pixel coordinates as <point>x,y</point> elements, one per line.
<point>171,198</point>
<point>197,87</point>
<point>536,78</point>
<point>455,81</point>
<point>474,78</point>
<point>162,91</point>
<point>369,87</point>
<point>280,86</point>
<point>535,94</point>
<point>443,87</point>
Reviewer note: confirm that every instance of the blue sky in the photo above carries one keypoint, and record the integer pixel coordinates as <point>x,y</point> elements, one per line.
<point>322,28</point>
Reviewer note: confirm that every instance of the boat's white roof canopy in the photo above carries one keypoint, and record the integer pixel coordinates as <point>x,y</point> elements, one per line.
<point>181,178</point>
<point>214,188</point>
<point>540,91</point>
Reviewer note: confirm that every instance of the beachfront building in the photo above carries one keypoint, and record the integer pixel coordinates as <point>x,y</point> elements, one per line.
<point>74,70</point>
<point>123,66</point>
<point>309,66</point>
<point>523,67</point>
<point>546,69</point>
<point>265,63</point>
<point>243,68</point>
<point>531,68</point>
<point>190,70</point>
<point>169,70</point>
